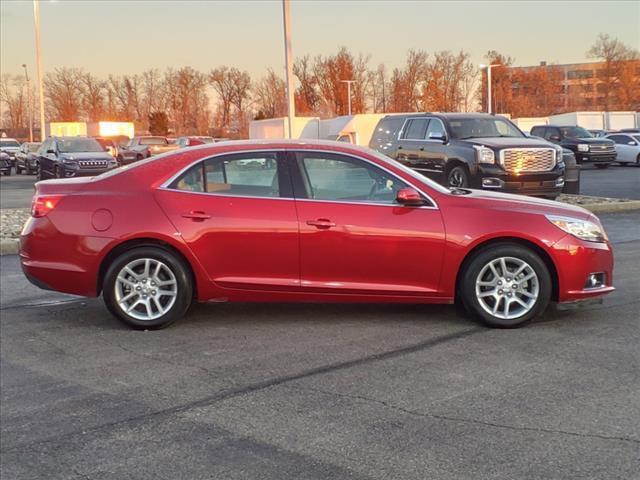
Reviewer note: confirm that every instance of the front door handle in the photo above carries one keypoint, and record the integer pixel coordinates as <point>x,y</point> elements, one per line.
<point>321,223</point>
<point>196,215</point>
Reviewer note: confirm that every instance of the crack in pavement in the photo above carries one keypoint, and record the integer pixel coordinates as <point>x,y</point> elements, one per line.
<point>251,388</point>
<point>461,419</point>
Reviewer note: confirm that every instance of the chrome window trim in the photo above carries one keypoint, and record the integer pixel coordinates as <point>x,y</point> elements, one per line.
<point>165,184</point>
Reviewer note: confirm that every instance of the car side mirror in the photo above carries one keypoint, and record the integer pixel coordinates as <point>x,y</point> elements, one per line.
<point>631,143</point>
<point>409,197</point>
<point>438,136</point>
<point>51,151</point>
<point>554,138</point>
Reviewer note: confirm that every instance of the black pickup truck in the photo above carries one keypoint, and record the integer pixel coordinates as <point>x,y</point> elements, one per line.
<point>473,150</point>
<point>587,148</point>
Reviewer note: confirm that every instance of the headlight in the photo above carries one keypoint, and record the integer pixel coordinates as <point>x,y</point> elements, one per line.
<point>583,147</point>
<point>582,229</point>
<point>485,155</point>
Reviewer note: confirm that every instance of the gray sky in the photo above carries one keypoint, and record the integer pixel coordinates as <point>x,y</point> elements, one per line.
<point>131,36</point>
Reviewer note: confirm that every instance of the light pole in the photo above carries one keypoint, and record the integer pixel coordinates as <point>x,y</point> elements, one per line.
<point>348,82</point>
<point>36,21</point>
<point>489,67</point>
<point>29,104</point>
<point>288,58</point>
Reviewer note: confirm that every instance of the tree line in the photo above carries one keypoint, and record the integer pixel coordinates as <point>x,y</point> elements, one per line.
<point>223,100</point>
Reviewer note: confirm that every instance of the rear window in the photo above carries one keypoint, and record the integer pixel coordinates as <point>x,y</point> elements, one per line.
<point>9,143</point>
<point>386,131</point>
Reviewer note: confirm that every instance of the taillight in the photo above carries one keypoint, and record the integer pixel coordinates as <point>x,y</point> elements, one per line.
<point>41,205</point>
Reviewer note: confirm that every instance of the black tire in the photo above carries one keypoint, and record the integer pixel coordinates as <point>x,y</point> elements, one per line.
<point>638,160</point>
<point>602,166</point>
<point>458,177</point>
<point>473,268</point>
<point>57,173</point>
<point>183,279</point>
<point>8,172</point>
<point>139,157</point>
<point>18,169</point>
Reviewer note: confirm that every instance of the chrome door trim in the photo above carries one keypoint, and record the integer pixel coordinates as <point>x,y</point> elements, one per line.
<point>165,184</point>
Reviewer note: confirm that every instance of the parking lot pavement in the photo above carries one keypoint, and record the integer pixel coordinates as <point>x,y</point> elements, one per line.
<point>16,191</point>
<point>617,182</point>
<point>241,391</point>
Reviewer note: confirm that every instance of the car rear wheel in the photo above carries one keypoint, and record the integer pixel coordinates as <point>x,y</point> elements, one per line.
<point>506,285</point>
<point>458,177</point>
<point>148,288</point>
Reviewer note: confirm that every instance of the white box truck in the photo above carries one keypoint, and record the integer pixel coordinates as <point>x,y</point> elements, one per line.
<point>620,120</point>
<point>355,129</point>
<point>588,120</point>
<point>527,123</point>
<point>278,128</point>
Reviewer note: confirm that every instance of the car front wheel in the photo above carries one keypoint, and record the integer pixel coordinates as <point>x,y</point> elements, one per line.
<point>458,177</point>
<point>148,288</point>
<point>506,285</point>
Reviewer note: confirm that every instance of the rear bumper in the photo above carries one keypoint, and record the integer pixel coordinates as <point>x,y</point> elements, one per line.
<point>53,260</point>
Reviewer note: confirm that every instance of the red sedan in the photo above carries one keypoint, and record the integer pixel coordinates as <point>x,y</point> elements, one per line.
<point>310,222</point>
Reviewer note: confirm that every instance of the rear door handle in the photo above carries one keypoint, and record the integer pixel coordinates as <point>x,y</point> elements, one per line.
<point>196,215</point>
<point>321,223</point>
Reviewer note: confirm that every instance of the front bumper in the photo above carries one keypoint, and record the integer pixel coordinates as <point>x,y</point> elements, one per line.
<point>545,184</point>
<point>575,261</point>
<point>83,172</point>
<point>591,157</point>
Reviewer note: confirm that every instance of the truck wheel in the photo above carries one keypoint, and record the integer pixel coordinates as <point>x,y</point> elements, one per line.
<point>148,288</point>
<point>602,166</point>
<point>458,177</point>
<point>57,173</point>
<point>18,169</point>
<point>505,285</point>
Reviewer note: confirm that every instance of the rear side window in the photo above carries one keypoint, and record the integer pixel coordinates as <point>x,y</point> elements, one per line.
<point>246,175</point>
<point>537,131</point>
<point>416,129</point>
<point>386,131</point>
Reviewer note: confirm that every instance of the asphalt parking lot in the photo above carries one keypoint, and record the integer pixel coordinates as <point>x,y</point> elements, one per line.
<point>617,182</point>
<point>250,391</point>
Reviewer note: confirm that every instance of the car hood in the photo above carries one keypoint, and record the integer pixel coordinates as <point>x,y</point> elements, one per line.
<point>521,203</point>
<point>86,156</point>
<point>509,142</point>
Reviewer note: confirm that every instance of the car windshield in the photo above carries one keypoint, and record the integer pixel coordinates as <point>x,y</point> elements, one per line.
<point>575,132</point>
<point>153,141</point>
<point>462,128</point>
<point>9,143</point>
<point>33,147</point>
<point>636,137</point>
<point>75,145</point>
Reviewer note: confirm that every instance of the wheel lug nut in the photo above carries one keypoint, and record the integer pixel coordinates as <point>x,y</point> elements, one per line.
<point>499,282</point>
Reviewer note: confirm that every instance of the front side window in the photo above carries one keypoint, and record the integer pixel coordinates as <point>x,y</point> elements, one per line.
<point>337,178</point>
<point>246,175</point>
<point>435,129</point>
<point>415,129</point>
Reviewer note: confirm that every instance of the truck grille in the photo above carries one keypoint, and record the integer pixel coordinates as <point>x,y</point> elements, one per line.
<point>92,163</point>
<point>603,148</point>
<point>522,160</point>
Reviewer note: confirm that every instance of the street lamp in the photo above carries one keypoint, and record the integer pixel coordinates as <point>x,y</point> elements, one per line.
<point>288,58</point>
<point>29,104</point>
<point>489,67</point>
<point>36,22</point>
<point>348,82</point>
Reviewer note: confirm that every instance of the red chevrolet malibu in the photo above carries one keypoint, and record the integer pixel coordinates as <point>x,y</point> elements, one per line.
<point>310,222</point>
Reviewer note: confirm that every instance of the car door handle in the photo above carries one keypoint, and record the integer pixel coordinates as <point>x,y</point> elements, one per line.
<point>196,215</point>
<point>399,147</point>
<point>321,223</point>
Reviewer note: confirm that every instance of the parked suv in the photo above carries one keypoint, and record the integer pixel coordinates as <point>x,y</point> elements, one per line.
<point>144,147</point>
<point>27,158</point>
<point>586,147</point>
<point>63,157</point>
<point>10,146</point>
<point>472,150</point>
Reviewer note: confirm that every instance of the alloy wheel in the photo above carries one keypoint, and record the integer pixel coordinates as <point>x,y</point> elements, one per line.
<point>456,178</point>
<point>146,289</point>
<point>507,288</point>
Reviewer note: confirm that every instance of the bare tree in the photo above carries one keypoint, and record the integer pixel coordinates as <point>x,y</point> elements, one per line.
<point>405,83</point>
<point>64,92</point>
<point>222,83</point>
<point>270,96</point>
<point>13,93</point>
<point>187,102</point>
<point>93,91</point>
<point>306,96</point>
<point>445,78</point>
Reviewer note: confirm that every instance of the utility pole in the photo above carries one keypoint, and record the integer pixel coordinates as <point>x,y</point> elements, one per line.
<point>29,102</point>
<point>288,57</point>
<point>36,21</point>
<point>348,82</point>
<point>489,100</point>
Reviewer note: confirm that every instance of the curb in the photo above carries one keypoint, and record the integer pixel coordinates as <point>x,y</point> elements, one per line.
<point>9,247</point>
<point>612,207</point>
